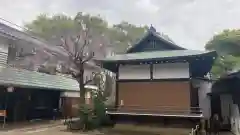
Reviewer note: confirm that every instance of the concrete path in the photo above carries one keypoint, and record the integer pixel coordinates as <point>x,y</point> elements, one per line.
<point>59,129</point>
<point>56,130</point>
<point>53,130</point>
<point>26,125</point>
<point>19,128</point>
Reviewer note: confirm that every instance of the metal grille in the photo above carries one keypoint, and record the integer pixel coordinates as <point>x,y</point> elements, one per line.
<point>3,59</point>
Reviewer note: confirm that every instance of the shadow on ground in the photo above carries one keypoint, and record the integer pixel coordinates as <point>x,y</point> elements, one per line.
<point>126,129</point>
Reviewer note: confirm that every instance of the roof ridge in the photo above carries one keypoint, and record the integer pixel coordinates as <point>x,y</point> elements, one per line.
<point>153,31</point>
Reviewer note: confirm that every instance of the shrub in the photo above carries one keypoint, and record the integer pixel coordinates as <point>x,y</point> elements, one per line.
<point>100,111</point>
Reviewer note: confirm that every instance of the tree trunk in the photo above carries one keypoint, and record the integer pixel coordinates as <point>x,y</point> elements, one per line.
<point>81,86</point>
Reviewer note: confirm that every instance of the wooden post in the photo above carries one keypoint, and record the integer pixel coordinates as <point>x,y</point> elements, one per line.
<point>202,130</point>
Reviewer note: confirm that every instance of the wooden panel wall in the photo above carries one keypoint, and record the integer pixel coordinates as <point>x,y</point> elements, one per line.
<point>70,106</point>
<point>155,95</point>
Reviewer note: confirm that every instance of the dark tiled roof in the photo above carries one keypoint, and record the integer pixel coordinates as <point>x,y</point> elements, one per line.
<point>25,78</point>
<point>36,42</point>
<point>159,36</point>
<point>17,34</point>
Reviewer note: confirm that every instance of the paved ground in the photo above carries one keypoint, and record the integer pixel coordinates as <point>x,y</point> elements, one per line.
<point>52,130</point>
<point>61,130</point>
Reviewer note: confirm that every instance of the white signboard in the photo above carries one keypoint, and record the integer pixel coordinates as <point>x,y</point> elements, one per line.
<point>74,94</point>
<point>70,94</point>
<point>10,89</point>
<point>170,70</point>
<point>134,71</point>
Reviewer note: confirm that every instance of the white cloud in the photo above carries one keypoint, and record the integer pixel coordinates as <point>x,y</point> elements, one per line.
<point>147,6</point>
<point>190,23</point>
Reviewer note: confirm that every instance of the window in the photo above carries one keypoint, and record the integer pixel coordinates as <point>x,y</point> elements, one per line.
<point>3,48</point>
<point>12,52</point>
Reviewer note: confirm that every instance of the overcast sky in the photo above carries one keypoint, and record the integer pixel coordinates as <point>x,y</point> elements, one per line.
<point>190,23</point>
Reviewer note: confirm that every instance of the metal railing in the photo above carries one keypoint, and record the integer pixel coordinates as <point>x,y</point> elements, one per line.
<point>157,109</point>
<point>195,131</point>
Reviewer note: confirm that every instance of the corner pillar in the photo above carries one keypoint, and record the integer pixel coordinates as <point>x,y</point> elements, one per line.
<point>202,127</point>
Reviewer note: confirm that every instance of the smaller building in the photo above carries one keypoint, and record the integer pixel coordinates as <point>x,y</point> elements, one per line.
<point>35,95</point>
<point>226,102</point>
<point>156,77</point>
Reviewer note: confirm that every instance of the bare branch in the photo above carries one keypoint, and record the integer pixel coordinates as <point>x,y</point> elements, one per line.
<point>75,74</point>
<point>65,46</point>
<point>75,41</point>
<point>89,57</point>
<point>88,81</point>
<point>49,52</point>
<point>95,75</point>
<point>76,45</point>
<point>83,47</point>
<point>85,42</point>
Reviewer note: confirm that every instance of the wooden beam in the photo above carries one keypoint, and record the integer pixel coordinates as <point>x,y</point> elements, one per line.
<point>117,92</point>
<point>151,71</point>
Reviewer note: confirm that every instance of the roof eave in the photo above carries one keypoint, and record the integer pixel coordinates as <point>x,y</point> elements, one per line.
<point>212,53</point>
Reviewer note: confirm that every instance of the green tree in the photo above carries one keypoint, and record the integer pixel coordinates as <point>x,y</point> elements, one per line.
<point>76,37</point>
<point>227,42</point>
<point>223,64</point>
<point>125,35</point>
<point>51,28</point>
<point>227,46</point>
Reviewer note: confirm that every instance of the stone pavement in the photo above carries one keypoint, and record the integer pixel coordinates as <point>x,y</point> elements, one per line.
<point>57,128</point>
<point>29,127</point>
<point>36,131</point>
<point>26,125</point>
<point>54,130</point>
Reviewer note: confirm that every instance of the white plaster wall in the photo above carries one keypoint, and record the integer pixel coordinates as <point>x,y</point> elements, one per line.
<point>235,119</point>
<point>134,72</point>
<point>74,94</point>
<point>88,74</point>
<point>3,48</point>
<point>204,99</point>
<point>171,70</point>
<point>4,44</point>
<point>226,103</point>
<point>70,94</point>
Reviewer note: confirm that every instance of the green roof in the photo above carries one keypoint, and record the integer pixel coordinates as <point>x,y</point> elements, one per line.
<point>155,55</point>
<point>25,78</point>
